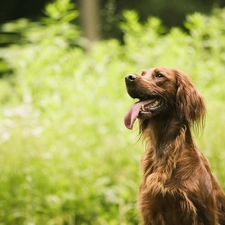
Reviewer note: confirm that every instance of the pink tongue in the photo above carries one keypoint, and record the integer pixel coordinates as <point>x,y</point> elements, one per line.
<point>133,112</point>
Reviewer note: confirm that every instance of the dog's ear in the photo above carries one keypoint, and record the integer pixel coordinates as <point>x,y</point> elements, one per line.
<point>189,102</point>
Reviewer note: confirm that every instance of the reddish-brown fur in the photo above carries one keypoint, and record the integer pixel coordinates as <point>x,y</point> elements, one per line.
<point>178,187</point>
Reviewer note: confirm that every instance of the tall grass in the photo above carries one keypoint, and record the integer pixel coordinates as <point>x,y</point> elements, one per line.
<point>66,157</point>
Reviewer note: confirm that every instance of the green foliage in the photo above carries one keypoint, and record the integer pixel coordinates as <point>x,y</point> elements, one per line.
<point>62,11</point>
<point>66,157</point>
<point>172,13</point>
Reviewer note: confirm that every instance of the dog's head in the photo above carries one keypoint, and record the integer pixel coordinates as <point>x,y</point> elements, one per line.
<point>163,91</point>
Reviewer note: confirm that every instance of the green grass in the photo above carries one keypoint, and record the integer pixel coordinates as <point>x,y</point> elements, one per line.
<point>66,157</point>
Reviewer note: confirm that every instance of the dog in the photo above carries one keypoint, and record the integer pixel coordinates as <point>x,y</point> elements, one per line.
<point>178,187</point>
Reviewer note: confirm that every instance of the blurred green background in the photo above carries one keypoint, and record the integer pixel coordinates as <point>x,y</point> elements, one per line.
<point>65,156</point>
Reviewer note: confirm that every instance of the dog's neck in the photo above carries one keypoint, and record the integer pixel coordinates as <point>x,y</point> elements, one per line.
<point>162,132</point>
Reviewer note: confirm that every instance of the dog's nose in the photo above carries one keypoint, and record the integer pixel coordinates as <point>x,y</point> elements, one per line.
<point>130,78</point>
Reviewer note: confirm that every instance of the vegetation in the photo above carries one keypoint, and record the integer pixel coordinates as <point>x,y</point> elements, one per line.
<point>66,157</point>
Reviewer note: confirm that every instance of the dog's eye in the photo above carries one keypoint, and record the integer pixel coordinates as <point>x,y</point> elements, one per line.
<point>159,75</point>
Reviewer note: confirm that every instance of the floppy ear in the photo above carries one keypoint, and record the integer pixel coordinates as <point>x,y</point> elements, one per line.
<point>189,102</point>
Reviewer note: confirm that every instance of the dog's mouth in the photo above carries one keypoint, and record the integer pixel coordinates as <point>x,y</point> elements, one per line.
<point>149,106</point>
<point>142,109</point>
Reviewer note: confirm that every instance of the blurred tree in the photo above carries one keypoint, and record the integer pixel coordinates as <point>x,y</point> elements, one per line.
<point>101,17</point>
<point>90,17</point>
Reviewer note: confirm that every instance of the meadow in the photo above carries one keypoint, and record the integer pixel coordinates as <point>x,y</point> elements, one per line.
<point>66,157</point>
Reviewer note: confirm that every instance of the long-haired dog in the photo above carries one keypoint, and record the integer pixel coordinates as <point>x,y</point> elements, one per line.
<point>178,187</point>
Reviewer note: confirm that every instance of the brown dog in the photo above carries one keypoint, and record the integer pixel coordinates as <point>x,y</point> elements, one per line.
<point>178,187</point>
